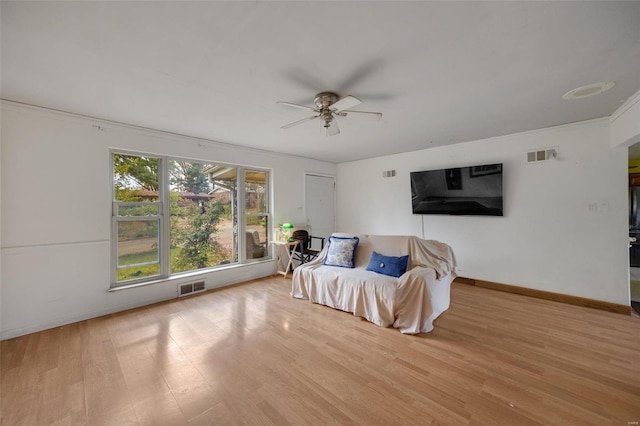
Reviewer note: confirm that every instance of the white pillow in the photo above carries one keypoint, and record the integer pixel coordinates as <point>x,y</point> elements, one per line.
<point>341,251</point>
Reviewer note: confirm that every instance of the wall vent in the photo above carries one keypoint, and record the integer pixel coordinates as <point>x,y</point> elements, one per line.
<point>542,155</point>
<point>191,288</point>
<point>388,173</point>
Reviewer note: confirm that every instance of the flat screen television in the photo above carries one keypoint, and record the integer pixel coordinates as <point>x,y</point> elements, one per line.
<point>475,190</point>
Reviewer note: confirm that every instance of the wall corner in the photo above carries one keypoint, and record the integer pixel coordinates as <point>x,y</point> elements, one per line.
<point>625,123</point>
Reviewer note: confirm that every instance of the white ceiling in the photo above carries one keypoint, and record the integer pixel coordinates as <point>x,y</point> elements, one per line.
<point>441,72</point>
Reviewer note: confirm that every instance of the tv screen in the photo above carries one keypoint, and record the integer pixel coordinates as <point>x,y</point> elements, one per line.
<point>475,190</point>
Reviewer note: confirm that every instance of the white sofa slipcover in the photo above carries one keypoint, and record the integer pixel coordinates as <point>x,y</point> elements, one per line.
<point>410,303</point>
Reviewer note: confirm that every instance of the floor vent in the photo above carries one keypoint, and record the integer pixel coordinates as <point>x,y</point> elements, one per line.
<point>191,288</point>
<point>542,155</point>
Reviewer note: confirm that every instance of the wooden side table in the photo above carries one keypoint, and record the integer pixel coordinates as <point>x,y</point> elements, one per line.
<point>283,251</point>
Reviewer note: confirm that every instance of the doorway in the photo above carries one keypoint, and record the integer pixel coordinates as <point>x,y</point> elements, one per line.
<point>319,206</point>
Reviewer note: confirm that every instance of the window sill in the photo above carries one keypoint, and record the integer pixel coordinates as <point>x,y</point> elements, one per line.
<point>187,275</point>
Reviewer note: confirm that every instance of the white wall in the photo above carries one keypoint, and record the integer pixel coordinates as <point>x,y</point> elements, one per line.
<point>55,213</point>
<point>0,219</point>
<point>565,224</point>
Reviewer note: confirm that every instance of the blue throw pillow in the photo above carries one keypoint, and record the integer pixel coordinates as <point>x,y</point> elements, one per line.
<point>388,265</point>
<point>341,251</point>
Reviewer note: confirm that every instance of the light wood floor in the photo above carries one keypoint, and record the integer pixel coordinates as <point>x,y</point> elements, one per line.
<point>250,354</point>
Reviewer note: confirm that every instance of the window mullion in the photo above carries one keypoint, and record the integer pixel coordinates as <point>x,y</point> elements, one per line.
<point>242,256</point>
<point>165,227</point>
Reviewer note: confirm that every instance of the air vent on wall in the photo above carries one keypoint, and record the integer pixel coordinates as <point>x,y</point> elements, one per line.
<point>190,288</point>
<point>388,173</point>
<point>542,155</point>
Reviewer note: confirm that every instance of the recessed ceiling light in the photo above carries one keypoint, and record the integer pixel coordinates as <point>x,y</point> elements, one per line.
<point>588,90</point>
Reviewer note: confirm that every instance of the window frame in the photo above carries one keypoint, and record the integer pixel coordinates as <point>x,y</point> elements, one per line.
<point>242,212</point>
<point>164,218</point>
<point>116,219</point>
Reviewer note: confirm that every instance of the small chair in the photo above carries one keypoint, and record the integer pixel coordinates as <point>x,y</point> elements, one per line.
<point>304,253</point>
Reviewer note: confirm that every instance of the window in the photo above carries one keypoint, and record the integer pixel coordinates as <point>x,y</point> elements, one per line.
<point>173,216</point>
<point>201,224</point>
<point>255,213</point>
<point>137,217</point>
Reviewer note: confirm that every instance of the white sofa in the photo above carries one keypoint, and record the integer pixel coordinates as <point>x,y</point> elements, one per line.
<point>410,303</point>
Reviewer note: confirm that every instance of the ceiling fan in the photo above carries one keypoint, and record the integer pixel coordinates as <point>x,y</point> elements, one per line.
<point>328,107</point>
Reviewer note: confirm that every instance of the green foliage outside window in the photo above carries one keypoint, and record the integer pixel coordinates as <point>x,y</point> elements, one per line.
<point>189,177</point>
<point>135,172</point>
<point>194,237</point>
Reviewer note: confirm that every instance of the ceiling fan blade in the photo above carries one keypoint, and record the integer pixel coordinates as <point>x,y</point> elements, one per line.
<point>367,115</point>
<point>296,105</point>
<point>345,103</point>
<point>295,123</point>
<point>333,128</point>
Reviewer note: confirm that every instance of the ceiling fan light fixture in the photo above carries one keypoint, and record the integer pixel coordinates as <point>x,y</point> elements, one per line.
<point>588,90</point>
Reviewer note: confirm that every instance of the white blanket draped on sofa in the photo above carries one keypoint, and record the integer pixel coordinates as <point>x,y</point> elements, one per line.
<point>410,303</point>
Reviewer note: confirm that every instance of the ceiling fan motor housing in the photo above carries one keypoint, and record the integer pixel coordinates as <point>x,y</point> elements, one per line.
<point>325,99</point>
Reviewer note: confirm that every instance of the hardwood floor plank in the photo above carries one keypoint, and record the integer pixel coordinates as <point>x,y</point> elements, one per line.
<point>251,354</point>
<point>106,392</point>
<point>159,409</point>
